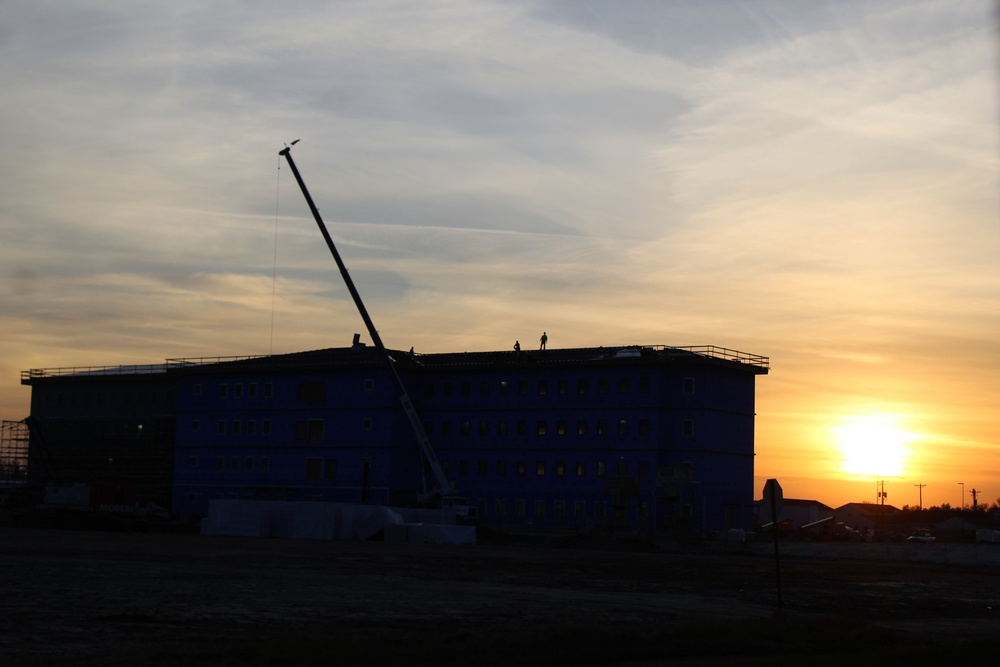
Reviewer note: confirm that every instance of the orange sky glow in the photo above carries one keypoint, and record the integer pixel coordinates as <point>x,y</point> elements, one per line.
<point>812,182</point>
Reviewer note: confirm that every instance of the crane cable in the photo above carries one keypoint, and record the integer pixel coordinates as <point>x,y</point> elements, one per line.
<point>274,269</point>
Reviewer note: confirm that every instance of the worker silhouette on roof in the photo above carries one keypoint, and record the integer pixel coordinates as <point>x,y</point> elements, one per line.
<point>543,340</point>
<point>517,346</point>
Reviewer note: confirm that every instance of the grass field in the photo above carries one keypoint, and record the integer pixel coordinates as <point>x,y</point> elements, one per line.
<point>89,598</point>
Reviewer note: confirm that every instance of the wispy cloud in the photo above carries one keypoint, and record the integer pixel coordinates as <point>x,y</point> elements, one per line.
<point>815,183</point>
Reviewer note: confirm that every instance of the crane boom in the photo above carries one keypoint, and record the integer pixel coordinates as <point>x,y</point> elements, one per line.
<point>444,487</point>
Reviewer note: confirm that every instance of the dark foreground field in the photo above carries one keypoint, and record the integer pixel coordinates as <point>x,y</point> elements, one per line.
<point>89,598</point>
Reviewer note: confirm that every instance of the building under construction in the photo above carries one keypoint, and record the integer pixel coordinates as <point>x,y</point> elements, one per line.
<point>642,437</point>
<point>645,436</point>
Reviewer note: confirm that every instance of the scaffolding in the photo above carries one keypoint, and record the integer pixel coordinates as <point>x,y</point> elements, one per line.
<point>109,458</point>
<point>13,452</point>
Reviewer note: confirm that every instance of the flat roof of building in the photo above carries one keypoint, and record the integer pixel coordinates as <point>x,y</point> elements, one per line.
<point>365,355</point>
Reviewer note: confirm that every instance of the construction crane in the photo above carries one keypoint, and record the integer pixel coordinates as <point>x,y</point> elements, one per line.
<point>443,492</point>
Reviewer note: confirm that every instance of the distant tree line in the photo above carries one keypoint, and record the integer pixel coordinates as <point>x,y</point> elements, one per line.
<point>993,507</point>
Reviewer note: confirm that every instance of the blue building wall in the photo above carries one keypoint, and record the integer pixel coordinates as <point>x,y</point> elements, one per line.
<point>560,438</point>
<point>307,435</point>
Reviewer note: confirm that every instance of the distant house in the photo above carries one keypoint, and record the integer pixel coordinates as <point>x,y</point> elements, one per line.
<point>862,516</point>
<point>799,512</point>
<point>965,527</point>
<point>882,522</point>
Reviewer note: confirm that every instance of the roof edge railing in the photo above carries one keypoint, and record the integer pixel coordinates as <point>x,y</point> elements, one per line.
<point>203,361</point>
<point>716,352</point>
<point>131,369</point>
<point>710,351</point>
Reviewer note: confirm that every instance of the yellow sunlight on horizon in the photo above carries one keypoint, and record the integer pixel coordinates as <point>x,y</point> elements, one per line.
<point>873,446</point>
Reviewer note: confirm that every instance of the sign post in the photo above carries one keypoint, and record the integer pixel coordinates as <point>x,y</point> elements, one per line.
<point>773,500</point>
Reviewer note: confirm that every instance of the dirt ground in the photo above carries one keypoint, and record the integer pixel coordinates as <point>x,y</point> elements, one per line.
<point>93,598</point>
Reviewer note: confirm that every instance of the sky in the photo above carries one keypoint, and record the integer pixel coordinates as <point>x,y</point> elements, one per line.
<point>814,182</point>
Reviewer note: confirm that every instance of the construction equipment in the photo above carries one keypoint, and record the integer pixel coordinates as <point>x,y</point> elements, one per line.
<point>442,493</point>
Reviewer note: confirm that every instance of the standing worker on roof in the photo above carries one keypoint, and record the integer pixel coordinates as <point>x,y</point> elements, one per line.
<point>543,340</point>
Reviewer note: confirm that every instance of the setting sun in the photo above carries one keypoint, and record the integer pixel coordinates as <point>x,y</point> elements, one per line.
<point>873,446</point>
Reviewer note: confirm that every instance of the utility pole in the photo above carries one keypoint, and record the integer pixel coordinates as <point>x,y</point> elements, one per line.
<point>975,498</point>
<point>921,487</point>
<point>962,484</point>
<point>881,493</point>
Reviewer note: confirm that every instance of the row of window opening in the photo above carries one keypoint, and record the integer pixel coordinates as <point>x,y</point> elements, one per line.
<point>543,387</point>
<point>542,468</point>
<point>561,427</point>
<point>126,397</point>
<point>312,430</point>
<point>314,392</point>
<point>319,469</point>
<point>236,390</point>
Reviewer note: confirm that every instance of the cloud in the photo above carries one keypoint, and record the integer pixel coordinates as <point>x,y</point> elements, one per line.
<point>818,185</point>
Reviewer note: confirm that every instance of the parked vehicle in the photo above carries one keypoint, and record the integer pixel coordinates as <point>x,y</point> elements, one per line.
<point>842,532</point>
<point>921,536</point>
